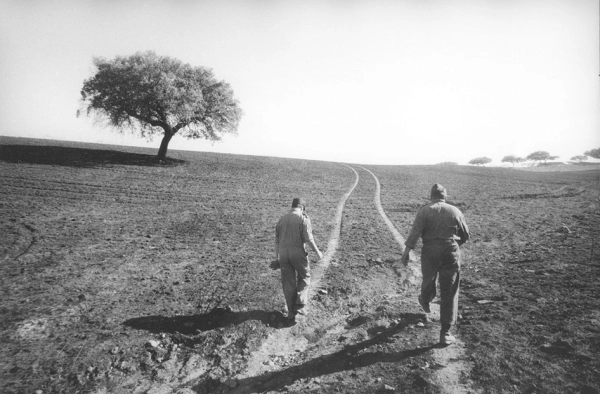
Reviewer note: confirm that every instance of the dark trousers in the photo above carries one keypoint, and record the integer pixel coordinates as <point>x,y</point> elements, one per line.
<point>442,261</point>
<point>295,277</point>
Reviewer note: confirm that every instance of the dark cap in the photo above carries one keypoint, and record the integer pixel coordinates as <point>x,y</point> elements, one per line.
<point>438,192</point>
<point>298,201</point>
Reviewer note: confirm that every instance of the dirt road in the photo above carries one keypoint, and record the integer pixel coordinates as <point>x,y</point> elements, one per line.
<point>350,324</point>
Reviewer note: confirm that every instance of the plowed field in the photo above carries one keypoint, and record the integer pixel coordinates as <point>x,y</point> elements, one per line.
<point>121,275</point>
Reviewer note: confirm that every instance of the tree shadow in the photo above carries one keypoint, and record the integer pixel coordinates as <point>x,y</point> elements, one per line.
<point>76,157</point>
<point>350,357</point>
<point>192,324</point>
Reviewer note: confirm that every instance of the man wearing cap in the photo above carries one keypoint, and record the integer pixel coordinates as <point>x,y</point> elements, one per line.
<point>292,231</point>
<point>443,229</point>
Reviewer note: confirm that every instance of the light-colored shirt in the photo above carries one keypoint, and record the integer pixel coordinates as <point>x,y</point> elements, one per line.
<point>293,230</point>
<point>438,222</point>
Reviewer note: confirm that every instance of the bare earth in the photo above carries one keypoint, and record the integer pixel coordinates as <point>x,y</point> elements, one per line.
<point>122,275</point>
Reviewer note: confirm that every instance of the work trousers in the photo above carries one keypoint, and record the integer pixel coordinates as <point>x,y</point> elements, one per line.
<point>442,260</point>
<point>295,277</point>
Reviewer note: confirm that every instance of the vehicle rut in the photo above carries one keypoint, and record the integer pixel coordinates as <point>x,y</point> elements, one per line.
<point>452,359</point>
<point>286,342</point>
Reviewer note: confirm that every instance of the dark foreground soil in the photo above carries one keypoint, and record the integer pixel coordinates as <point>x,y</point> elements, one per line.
<point>122,275</point>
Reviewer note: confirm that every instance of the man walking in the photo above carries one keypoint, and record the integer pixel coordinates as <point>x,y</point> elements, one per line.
<point>293,230</point>
<point>443,229</point>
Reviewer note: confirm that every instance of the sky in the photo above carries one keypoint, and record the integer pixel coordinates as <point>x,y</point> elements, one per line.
<point>356,81</point>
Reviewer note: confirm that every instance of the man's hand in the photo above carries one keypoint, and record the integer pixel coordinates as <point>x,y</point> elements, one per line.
<point>405,257</point>
<point>275,264</point>
<point>320,254</point>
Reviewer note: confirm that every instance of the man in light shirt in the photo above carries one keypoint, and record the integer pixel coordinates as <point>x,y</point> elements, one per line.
<point>292,232</point>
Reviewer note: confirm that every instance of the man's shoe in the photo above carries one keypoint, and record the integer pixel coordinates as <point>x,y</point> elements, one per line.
<point>289,320</point>
<point>424,305</point>
<point>290,317</point>
<point>447,338</point>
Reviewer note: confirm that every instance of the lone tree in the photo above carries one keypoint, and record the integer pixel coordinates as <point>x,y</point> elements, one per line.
<point>579,158</point>
<point>151,94</point>
<point>541,155</point>
<point>595,153</point>
<point>512,159</point>
<point>481,160</point>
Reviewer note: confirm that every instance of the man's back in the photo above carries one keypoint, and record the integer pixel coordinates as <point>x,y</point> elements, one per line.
<point>293,229</point>
<point>439,221</point>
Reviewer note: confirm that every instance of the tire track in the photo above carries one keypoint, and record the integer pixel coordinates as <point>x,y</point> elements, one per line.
<point>301,338</point>
<point>416,272</point>
<point>289,341</point>
<point>388,222</point>
<point>334,237</point>
<point>452,358</point>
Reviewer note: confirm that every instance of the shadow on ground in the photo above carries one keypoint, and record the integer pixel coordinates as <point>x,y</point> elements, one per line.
<point>76,157</point>
<point>350,357</point>
<point>209,321</point>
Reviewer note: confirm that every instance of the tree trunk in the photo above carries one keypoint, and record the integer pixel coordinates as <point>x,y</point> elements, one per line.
<point>162,151</point>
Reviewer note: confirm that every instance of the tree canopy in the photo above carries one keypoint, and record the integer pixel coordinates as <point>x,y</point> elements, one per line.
<point>480,161</point>
<point>579,158</point>
<point>595,153</point>
<point>512,159</point>
<point>151,94</point>
<point>540,155</point>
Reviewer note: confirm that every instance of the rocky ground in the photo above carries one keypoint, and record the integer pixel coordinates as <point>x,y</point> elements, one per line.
<point>120,275</point>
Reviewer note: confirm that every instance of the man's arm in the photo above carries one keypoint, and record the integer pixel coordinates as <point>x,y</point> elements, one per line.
<point>463,231</point>
<point>415,233</point>
<point>307,236</point>
<point>314,247</point>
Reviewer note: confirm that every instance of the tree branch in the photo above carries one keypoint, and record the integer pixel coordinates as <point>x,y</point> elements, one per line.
<point>154,123</point>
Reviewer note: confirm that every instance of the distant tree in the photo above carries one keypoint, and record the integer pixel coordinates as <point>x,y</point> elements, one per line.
<point>447,163</point>
<point>579,158</point>
<point>595,153</point>
<point>151,94</point>
<point>512,159</point>
<point>481,160</point>
<point>541,155</point>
